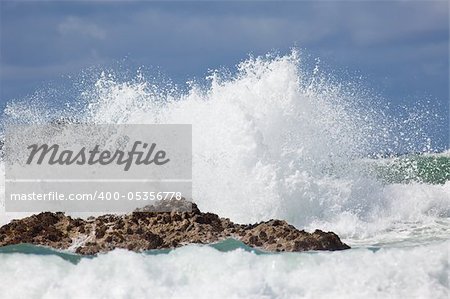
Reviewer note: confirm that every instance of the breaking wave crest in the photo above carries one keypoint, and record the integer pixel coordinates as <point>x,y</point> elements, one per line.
<point>275,139</point>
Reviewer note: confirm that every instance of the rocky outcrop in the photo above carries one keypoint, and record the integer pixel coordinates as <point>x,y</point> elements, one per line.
<point>145,230</point>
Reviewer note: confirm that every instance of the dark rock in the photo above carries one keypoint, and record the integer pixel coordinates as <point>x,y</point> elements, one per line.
<point>81,230</point>
<point>147,229</point>
<point>154,241</point>
<point>100,232</point>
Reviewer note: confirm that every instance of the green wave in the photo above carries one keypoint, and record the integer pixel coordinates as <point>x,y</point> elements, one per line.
<point>430,169</point>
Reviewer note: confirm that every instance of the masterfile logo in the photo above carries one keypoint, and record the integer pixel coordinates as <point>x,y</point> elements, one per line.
<point>91,168</point>
<point>94,156</point>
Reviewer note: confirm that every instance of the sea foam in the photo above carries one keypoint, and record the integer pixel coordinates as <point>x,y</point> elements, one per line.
<point>203,272</point>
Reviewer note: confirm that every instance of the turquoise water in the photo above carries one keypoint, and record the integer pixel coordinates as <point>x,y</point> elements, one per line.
<point>30,249</point>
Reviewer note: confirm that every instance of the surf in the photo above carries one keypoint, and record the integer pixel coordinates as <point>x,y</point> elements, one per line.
<point>275,138</point>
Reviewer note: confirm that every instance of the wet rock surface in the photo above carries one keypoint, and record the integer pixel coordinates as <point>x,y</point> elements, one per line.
<point>146,230</point>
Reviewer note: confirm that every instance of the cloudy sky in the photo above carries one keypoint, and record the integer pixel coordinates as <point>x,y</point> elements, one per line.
<point>401,48</point>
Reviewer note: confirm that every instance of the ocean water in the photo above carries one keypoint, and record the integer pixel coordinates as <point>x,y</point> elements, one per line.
<point>272,139</point>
